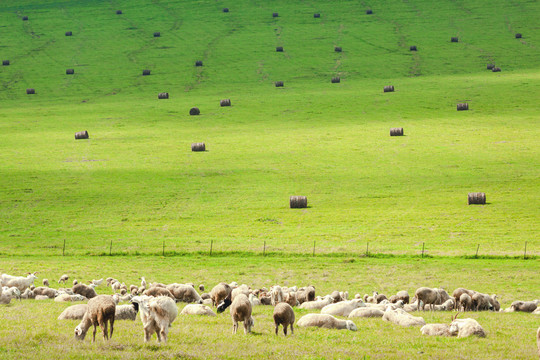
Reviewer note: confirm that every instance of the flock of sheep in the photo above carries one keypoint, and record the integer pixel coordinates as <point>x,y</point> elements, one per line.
<point>156,304</point>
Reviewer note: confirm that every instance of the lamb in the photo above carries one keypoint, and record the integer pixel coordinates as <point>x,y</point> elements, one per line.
<point>84,290</point>
<point>74,312</point>
<point>48,292</point>
<point>157,314</point>
<point>20,282</point>
<point>197,309</point>
<point>465,302</point>
<point>401,317</point>
<point>27,294</point>
<point>436,330</point>
<point>46,282</point>
<point>185,293</point>
<point>63,279</point>
<point>126,312</point>
<point>101,309</point>
<point>241,311</point>
<point>343,308</point>
<point>284,315</point>
<point>201,287</point>
<point>326,321</point>
<point>427,296</point>
<point>158,291</point>
<point>367,312</point>
<point>336,296</point>
<point>524,306</point>
<point>219,293</point>
<point>466,327</point>
<point>317,304</point>
<point>276,295</point>
<point>305,294</point>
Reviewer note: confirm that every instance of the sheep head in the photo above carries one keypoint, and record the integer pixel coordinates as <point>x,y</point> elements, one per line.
<point>224,305</point>
<point>80,334</point>
<point>350,325</point>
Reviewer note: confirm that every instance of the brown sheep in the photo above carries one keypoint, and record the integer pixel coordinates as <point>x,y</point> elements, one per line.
<point>465,302</point>
<point>220,292</point>
<point>185,293</point>
<point>305,294</point>
<point>46,291</point>
<point>241,311</point>
<point>290,298</point>
<point>156,291</point>
<point>524,306</point>
<point>284,315</point>
<point>427,296</point>
<point>460,291</point>
<point>84,290</point>
<point>101,309</point>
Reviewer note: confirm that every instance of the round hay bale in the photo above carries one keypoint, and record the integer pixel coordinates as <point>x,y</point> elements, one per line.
<point>70,71</point>
<point>146,72</point>
<point>275,14</point>
<point>198,147</point>
<point>389,88</point>
<point>476,198</point>
<point>412,48</point>
<point>338,49</point>
<point>462,106</point>
<point>5,62</point>
<point>490,66</point>
<point>30,91</point>
<point>157,34</point>
<point>454,39</point>
<point>317,15</point>
<point>81,135</point>
<point>118,12</point>
<point>496,69</point>
<point>194,111</point>
<point>518,36</point>
<point>279,49</point>
<point>225,9</point>
<point>279,83</point>
<point>396,132</point>
<point>163,96</point>
<point>369,12</point>
<point>69,33</point>
<point>336,80</point>
<point>298,202</point>
<point>198,63</point>
<point>225,102</point>
<point>25,18</point>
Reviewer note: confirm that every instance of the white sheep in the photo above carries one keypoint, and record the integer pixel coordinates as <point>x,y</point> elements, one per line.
<point>20,282</point>
<point>12,292</point>
<point>101,310</point>
<point>436,330</point>
<point>185,293</point>
<point>241,312</point>
<point>343,308</point>
<point>74,312</point>
<point>466,327</point>
<point>197,309</point>
<point>284,315</point>
<point>401,317</point>
<point>317,304</point>
<point>63,279</point>
<point>157,314</point>
<point>46,282</point>
<point>325,321</point>
<point>97,282</point>
<point>254,300</point>
<point>126,312</point>
<point>367,312</point>
<point>276,295</point>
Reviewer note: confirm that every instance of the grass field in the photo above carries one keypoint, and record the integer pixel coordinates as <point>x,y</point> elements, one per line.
<point>135,189</point>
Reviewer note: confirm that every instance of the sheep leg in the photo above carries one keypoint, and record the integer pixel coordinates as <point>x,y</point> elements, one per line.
<point>246,326</point>
<point>285,329</point>
<point>234,326</point>
<point>277,328</point>
<point>103,327</point>
<point>292,329</point>
<point>112,326</point>
<point>94,335</point>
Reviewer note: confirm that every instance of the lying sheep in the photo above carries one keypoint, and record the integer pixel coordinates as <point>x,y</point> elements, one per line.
<point>466,327</point>
<point>524,306</point>
<point>290,298</point>
<point>126,312</point>
<point>284,315</point>
<point>317,304</point>
<point>241,311</point>
<point>74,312</point>
<point>325,321</point>
<point>197,309</point>
<point>343,308</point>
<point>242,289</point>
<point>101,310</point>
<point>157,314</point>
<point>84,290</point>
<point>254,300</point>
<point>366,312</point>
<point>185,293</point>
<point>305,294</point>
<point>158,291</point>
<point>436,330</point>
<point>401,317</point>
<point>446,306</point>
<point>50,293</point>
<point>27,294</point>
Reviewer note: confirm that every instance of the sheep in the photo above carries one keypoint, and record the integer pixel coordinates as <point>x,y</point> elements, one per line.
<point>143,282</point>
<point>20,282</point>
<point>379,298</point>
<point>317,304</point>
<point>50,293</point>
<point>158,291</point>
<point>290,298</point>
<point>63,279</point>
<point>411,307</point>
<point>481,302</point>
<point>465,302</point>
<point>266,299</point>
<point>494,303</point>
<point>126,312</point>
<point>276,295</point>
<point>197,309</point>
<point>305,294</point>
<point>75,282</point>
<point>242,289</point>
<point>342,308</point>
<point>12,292</point>
<point>41,297</point>
<point>401,317</point>
<point>366,312</point>
<point>46,282</point>
<point>233,285</point>
<point>133,289</point>
<point>241,311</point>
<point>27,294</point>
<point>74,312</point>
<point>466,327</point>
<point>205,296</point>
<point>524,306</point>
<point>101,309</point>
<point>62,298</point>
<point>460,291</point>
<point>185,293</point>
<point>97,282</point>
<point>538,340</point>
<point>436,330</point>
<point>427,296</point>
<point>326,321</point>
<point>221,296</point>
<point>157,314</point>
<point>254,300</point>
<point>401,295</point>
<point>284,315</point>
<point>84,290</point>
<point>201,287</point>
<point>4,298</point>
<point>446,306</point>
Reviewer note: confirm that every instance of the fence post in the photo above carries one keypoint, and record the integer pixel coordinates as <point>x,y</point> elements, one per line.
<point>367,249</point>
<point>64,248</point>
<point>478,247</point>
<point>314,248</point>
<point>163,247</point>
<point>423,250</point>
<point>264,248</point>
<point>525,252</point>
<point>110,249</point>
<point>211,245</point>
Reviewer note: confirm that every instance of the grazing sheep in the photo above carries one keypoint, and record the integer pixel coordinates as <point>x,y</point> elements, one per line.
<point>241,311</point>
<point>481,302</point>
<point>126,312</point>
<point>465,302</point>
<point>401,317</point>
<point>305,294</point>
<point>101,309</point>
<point>460,291</point>
<point>157,314</point>
<point>325,321</point>
<point>201,287</point>
<point>436,330</point>
<point>185,293</point>
<point>46,282</point>
<point>84,290</point>
<point>343,308</point>
<point>538,340</point>
<point>156,291</point>
<point>197,309</point>
<point>317,304</point>
<point>27,294</point>
<point>20,282</point>
<point>242,289</point>
<point>466,327</point>
<point>219,293</point>
<point>63,279</point>
<point>367,312</point>
<point>427,296</point>
<point>496,306</point>
<point>50,293</point>
<point>74,312</point>
<point>411,307</point>
<point>284,315</point>
<point>265,299</point>
<point>524,306</point>
<point>276,295</point>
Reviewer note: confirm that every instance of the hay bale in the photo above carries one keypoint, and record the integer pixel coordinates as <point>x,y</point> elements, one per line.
<point>336,80</point>
<point>198,147</point>
<point>69,33</point>
<point>454,39</point>
<point>198,63</point>
<point>518,36</point>
<point>317,15</point>
<point>279,83</point>
<point>275,15</point>
<point>496,69</point>
<point>490,66</point>
<point>476,198</point>
<point>225,9</point>
<point>369,12</point>
<point>194,111</point>
<point>25,18</point>
<point>225,102</point>
<point>118,12</point>
<point>338,49</point>
<point>5,62</point>
<point>30,91</point>
<point>70,71</point>
<point>81,135</point>
<point>163,96</point>
<point>396,132</point>
<point>157,34</point>
<point>298,202</point>
<point>412,48</point>
<point>279,49</point>
<point>389,88</point>
<point>146,72</point>
<point>462,106</point>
